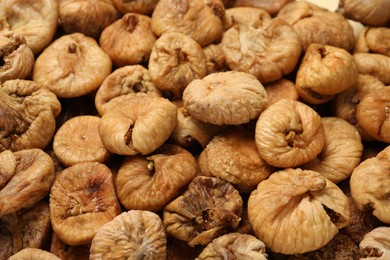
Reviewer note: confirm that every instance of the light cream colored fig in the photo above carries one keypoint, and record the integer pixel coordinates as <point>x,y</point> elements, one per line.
<point>135,234</point>
<point>376,244</point>
<point>82,200</point>
<point>289,133</point>
<point>296,211</point>
<point>251,16</point>
<point>135,6</point>
<point>225,98</point>
<point>373,13</point>
<point>140,124</point>
<point>281,89</point>
<point>71,66</point>
<point>272,7</point>
<point>33,254</point>
<point>374,40</point>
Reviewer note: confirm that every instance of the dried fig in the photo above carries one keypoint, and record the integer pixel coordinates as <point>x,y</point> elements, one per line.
<point>225,98</point>
<point>17,59</point>
<point>374,13</point>
<point>67,252</point>
<point>374,64</point>
<point>374,40</point>
<point>289,133</point>
<point>87,17</point>
<point>151,182</point>
<point>175,61</point>
<point>296,211</point>
<point>72,65</point>
<point>370,185</point>
<point>33,254</point>
<point>210,207</point>
<point>233,157</point>
<point>141,124</point>
<point>28,114</point>
<point>82,199</point>
<point>324,72</point>
<point>272,7</point>
<point>121,40</point>
<point>281,89</point>
<point>135,234</point>
<point>215,59</point>
<point>30,175</point>
<point>375,244</point>
<point>250,16</point>
<point>78,140</point>
<point>194,18</point>
<point>135,6</point>
<point>35,20</point>
<point>373,114</point>
<point>234,246</point>
<point>268,51</point>
<point>341,153</point>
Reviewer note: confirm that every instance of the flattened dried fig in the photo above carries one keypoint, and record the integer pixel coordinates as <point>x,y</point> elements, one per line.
<point>150,182</point>
<point>374,64</point>
<point>71,66</point>
<point>32,173</point>
<point>250,16</point>
<point>375,244</point>
<point>296,211</point>
<point>78,140</point>
<point>210,207</point>
<point>33,254</point>
<point>28,114</point>
<point>175,61</point>
<point>374,40</point>
<point>233,157</point>
<point>272,7</point>
<point>87,17</point>
<point>215,59</point>
<point>82,199</point>
<point>225,98</point>
<point>289,133</point>
<point>135,6</point>
<point>281,89</point>
<point>67,252</point>
<point>268,51</point>
<point>194,18</point>
<point>374,12</point>
<point>35,20</point>
<point>324,72</point>
<point>234,246</point>
<point>135,234</point>
<point>141,124</point>
<point>17,59</point>
<point>121,39</point>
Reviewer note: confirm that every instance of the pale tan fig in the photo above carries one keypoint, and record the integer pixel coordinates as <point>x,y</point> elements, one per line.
<point>82,200</point>
<point>17,58</point>
<point>151,182</point>
<point>296,211</point>
<point>140,124</point>
<point>376,244</point>
<point>33,254</point>
<point>67,252</point>
<point>88,17</point>
<point>135,234</point>
<point>373,13</point>
<point>35,20</point>
<point>209,208</point>
<point>281,89</point>
<point>289,133</point>
<point>29,174</point>
<point>28,114</point>
<point>121,40</point>
<point>194,18</point>
<point>135,6</point>
<point>314,24</point>
<point>175,61</point>
<point>233,157</point>
<point>225,98</point>
<point>370,185</point>
<point>121,82</point>
<point>373,114</point>
<point>215,59</point>
<point>250,16</point>
<point>374,40</point>
<point>72,65</point>
<point>272,7</point>
<point>78,140</point>
<point>268,51</point>
<point>374,64</point>
<point>341,153</point>
<point>236,246</point>
<point>324,72</point>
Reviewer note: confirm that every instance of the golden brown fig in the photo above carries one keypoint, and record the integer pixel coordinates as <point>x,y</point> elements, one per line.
<point>121,40</point>
<point>33,254</point>
<point>225,98</point>
<point>71,66</point>
<point>375,244</point>
<point>272,7</point>
<point>215,59</point>
<point>296,211</point>
<point>150,182</point>
<point>88,17</point>
<point>135,6</point>
<point>289,133</point>
<point>250,16</point>
<point>78,140</point>
<point>67,252</point>
<point>82,200</point>
<point>281,89</point>
<point>374,12</point>
<point>30,175</point>
<point>374,64</point>
<point>210,207</point>
<point>374,40</point>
